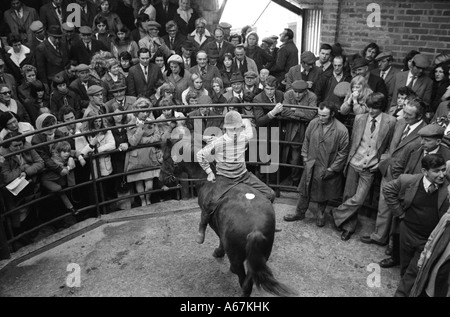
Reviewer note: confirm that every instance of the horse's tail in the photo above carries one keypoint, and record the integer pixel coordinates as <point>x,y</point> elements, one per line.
<point>257,268</point>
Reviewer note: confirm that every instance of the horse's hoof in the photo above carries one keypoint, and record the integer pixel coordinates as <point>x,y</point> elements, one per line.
<point>218,253</point>
<point>200,238</point>
<point>278,230</point>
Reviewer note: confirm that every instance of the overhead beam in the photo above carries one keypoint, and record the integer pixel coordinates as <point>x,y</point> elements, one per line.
<point>287,5</point>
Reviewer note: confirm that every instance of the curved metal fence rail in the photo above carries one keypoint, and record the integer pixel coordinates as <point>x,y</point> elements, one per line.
<point>7,236</point>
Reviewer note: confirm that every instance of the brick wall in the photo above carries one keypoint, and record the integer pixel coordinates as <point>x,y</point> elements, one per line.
<point>405,25</point>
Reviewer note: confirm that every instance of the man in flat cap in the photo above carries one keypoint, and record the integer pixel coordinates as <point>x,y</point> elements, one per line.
<point>307,71</point>
<point>82,51</point>
<point>328,81</point>
<point>266,44</point>
<point>39,35</point>
<point>51,55</point>
<point>251,83</point>
<point>297,95</point>
<point>361,67</point>
<point>153,42</point>
<point>165,12</point>
<point>416,79</point>
<point>69,35</point>
<point>120,99</point>
<point>96,106</point>
<point>226,27</point>
<point>237,91</point>
<point>386,71</point>
<point>81,84</point>
<point>410,163</point>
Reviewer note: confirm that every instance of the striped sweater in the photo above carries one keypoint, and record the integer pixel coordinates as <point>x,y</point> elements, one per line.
<point>229,153</point>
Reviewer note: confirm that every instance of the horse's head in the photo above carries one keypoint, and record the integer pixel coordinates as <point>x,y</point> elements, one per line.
<point>180,160</point>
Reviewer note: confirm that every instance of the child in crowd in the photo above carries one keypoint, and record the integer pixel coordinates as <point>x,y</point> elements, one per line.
<point>54,181</point>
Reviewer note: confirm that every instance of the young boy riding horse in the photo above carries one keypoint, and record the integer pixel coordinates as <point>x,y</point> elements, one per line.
<point>228,151</point>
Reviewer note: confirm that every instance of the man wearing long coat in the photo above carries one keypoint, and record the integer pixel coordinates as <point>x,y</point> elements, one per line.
<point>324,151</point>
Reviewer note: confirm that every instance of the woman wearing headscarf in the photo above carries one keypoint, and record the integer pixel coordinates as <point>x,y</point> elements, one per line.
<point>177,75</point>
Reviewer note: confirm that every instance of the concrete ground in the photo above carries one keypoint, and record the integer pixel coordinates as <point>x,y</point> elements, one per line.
<point>151,252</point>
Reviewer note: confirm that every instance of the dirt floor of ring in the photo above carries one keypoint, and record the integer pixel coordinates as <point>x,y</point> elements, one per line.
<point>158,257</point>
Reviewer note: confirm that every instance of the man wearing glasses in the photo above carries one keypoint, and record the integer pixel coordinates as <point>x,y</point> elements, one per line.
<point>9,104</point>
<point>7,79</point>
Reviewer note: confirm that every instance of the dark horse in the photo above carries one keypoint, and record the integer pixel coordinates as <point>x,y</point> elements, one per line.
<point>244,220</point>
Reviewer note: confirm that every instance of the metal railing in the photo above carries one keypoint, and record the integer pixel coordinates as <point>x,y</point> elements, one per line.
<point>7,236</point>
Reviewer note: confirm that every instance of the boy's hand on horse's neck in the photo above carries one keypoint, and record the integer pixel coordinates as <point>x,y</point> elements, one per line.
<point>211,177</point>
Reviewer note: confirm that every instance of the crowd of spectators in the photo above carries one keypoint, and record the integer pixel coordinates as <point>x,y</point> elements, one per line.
<point>142,55</point>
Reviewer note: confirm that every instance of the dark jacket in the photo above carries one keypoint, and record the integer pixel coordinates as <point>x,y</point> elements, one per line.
<point>162,17</point>
<point>136,84</point>
<point>44,151</point>
<point>260,56</point>
<point>183,27</point>
<point>177,43</point>
<point>324,87</point>
<point>58,100</point>
<point>11,169</point>
<point>15,70</point>
<point>287,57</point>
<point>80,53</point>
<point>261,112</point>
<point>48,15</point>
<point>78,88</point>
<point>87,19</point>
<point>49,61</point>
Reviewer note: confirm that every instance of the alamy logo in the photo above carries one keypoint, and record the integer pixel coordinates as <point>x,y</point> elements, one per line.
<point>374,278</point>
<point>74,278</point>
<point>374,19</point>
<point>75,15</point>
<point>258,150</point>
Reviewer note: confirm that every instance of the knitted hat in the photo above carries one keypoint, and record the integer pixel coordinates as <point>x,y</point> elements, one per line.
<point>40,120</point>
